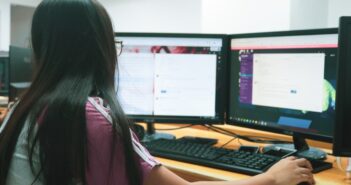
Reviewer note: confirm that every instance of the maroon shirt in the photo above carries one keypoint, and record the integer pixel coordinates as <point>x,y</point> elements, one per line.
<point>103,168</point>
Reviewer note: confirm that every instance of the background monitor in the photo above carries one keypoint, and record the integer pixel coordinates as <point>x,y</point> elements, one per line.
<point>284,82</point>
<point>342,132</point>
<point>174,78</point>
<point>21,69</point>
<point>4,79</point>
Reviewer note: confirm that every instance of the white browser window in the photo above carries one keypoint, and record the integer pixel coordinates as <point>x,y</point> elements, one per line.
<point>293,81</point>
<point>168,76</point>
<point>185,85</point>
<point>135,83</point>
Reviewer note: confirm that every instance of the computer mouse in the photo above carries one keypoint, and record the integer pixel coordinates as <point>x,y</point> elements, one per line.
<point>303,183</point>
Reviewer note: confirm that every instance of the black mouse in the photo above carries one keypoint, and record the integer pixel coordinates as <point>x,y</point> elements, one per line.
<point>303,183</point>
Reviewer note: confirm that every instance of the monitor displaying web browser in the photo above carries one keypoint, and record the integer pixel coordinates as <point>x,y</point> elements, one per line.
<point>284,82</point>
<point>172,77</point>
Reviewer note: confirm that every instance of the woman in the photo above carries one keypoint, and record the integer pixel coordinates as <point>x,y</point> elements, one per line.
<point>68,127</point>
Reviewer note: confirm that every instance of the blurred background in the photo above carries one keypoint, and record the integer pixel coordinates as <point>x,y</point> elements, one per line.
<point>190,16</point>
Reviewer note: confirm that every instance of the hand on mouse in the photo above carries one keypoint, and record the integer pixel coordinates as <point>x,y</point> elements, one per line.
<point>291,171</point>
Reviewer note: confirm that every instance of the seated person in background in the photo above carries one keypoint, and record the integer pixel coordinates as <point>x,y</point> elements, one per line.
<point>69,128</point>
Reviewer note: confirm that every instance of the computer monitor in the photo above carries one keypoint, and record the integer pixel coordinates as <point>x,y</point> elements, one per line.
<point>4,79</point>
<point>21,70</point>
<point>172,78</point>
<point>342,131</point>
<point>285,82</point>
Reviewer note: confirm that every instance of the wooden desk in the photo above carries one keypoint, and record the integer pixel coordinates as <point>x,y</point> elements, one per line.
<point>193,172</point>
<point>3,112</point>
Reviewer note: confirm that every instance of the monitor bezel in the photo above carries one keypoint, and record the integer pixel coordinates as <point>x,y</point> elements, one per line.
<point>221,89</point>
<point>291,132</point>
<point>14,92</point>
<point>5,62</point>
<point>341,94</point>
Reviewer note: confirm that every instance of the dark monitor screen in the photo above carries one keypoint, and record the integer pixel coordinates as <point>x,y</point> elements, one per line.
<point>21,70</point>
<point>342,135</point>
<point>4,74</point>
<point>284,82</point>
<point>177,78</point>
<point>20,64</point>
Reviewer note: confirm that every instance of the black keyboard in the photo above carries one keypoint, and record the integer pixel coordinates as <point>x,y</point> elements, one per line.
<point>207,155</point>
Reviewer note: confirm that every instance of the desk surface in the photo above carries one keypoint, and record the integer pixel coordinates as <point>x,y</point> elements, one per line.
<point>194,172</point>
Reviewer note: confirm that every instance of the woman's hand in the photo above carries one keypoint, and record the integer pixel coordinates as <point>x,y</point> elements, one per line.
<point>291,171</point>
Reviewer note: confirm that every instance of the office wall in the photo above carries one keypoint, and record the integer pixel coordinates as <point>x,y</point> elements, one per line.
<point>5,19</point>
<point>1,26</point>
<point>337,8</point>
<point>21,19</point>
<point>206,16</point>
<point>31,3</point>
<point>4,25</point>
<point>155,15</point>
<point>308,14</point>
<point>1,36</point>
<point>127,15</point>
<point>240,16</point>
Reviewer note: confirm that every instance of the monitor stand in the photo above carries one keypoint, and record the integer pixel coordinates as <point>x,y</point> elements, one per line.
<point>151,133</point>
<point>303,150</point>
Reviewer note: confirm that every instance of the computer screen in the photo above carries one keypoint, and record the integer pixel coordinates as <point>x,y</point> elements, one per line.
<point>4,79</point>
<point>177,78</point>
<point>21,70</point>
<point>284,82</point>
<point>342,135</point>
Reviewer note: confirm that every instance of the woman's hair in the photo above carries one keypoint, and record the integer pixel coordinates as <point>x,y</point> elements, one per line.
<point>74,57</point>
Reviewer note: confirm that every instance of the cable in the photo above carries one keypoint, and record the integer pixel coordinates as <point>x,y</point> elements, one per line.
<point>338,162</point>
<point>239,141</point>
<point>225,144</point>
<point>223,130</point>
<point>177,128</point>
<point>348,169</point>
<point>218,131</point>
<point>260,139</point>
<point>254,139</point>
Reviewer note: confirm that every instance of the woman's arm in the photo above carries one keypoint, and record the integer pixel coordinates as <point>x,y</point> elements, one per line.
<point>289,171</point>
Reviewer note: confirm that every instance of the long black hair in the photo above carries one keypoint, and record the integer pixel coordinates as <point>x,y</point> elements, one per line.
<point>75,57</point>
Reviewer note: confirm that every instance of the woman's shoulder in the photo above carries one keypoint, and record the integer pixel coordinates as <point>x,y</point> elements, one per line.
<point>98,120</point>
<point>97,110</point>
